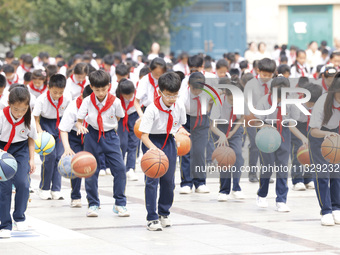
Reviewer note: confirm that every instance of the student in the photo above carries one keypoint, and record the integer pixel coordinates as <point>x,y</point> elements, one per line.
<point>48,110</point>
<point>284,70</point>
<point>9,57</point>
<point>280,157</point>
<point>147,89</point>
<point>72,142</point>
<point>229,135</point>
<point>3,82</point>
<point>108,65</point>
<point>27,79</point>
<point>78,80</point>
<point>17,135</point>
<point>128,141</point>
<point>161,120</point>
<point>303,180</point>
<point>299,68</point>
<point>324,123</point>
<point>11,76</point>
<point>327,77</point>
<point>222,68</point>
<point>26,66</point>
<point>122,72</point>
<point>182,64</point>
<point>102,111</point>
<point>38,84</point>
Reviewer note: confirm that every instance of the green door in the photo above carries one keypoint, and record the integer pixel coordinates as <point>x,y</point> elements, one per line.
<point>310,23</point>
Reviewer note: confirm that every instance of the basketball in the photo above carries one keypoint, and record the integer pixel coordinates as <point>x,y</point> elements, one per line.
<point>84,164</point>
<point>183,144</point>
<point>303,155</point>
<point>65,169</point>
<point>136,129</point>
<point>330,149</point>
<point>45,143</point>
<point>154,163</point>
<point>8,166</point>
<point>224,155</point>
<point>268,140</point>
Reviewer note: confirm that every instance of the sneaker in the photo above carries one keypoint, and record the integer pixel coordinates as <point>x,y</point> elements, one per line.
<point>185,190</point>
<point>45,194</point>
<point>31,190</point>
<point>310,185</point>
<point>121,211</point>
<point>108,171</point>
<point>131,176</point>
<point>237,194</point>
<point>92,211</point>
<point>282,207</point>
<point>253,178</point>
<point>299,186</point>
<point>154,225</point>
<point>261,202</point>
<point>327,220</point>
<point>165,221</point>
<point>76,203</point>
<point>202,189</point>
<point>102,172</point>
<point>336,216</point>
<point>21,225</point>
<point>5,233</point>
<point>222,197</point>
<point>56,195</point>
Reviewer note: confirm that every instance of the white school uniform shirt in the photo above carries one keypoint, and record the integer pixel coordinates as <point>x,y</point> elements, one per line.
<point>4,100</point>
<point>182,68</point>
<point>88,112</point>
<point>145,91</point>
<point>94,64</point>
<point>114,86</point>
<point>190,104</point>
<point>63,70</point>
<point>13,81</point>
<point>318,114</point>
<point>223,111</point>
<point>132,109</point>
<point>301,117</point>
<point>73,88</point>
<point>44,108</point>
<point>69,119</point>
<point>36,94</point>
<point>22,133</point>
<point>21,72</point>
<point>155,121</point>
<point>295,74</point>
<point>257,88</point>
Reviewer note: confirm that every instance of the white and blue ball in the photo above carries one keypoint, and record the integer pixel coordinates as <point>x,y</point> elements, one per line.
<point>8,166</point>
<point>65,168</point>
<point>45,143</point>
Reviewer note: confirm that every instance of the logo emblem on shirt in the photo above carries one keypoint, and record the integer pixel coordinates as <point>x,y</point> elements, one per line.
<point>111,117</point>
<point>62,108</point>
<point>22,131</point>
<point>175,123</point>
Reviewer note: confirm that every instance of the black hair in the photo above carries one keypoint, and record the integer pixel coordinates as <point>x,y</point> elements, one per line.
<point>195,61</point>
<point>87,57</point>
<point>19,93</point>
<point>267,65</point>
<point>197,80</point>
<point>87,91</point>
<point>315,91</point>
<point>81,68</point>
<point>15,62</point>
<point>27,59</point>
<point>158,62</point>
<point>283,58</point>
<point>245,78</point>
<point>91,68</point>
<point>58,81</point>
<point>234,71</point>
<point>207,65</point>
<point>8,68</point>
<point>244,64</point>
<point>236,82</point>
<point>325,51</point>
<point>181,75</point>
<point>39,75</point>
<point>108,60</point>
<point>43,55</point>
<point>59,56</point>
<point>144,71</point>
<point>283,50</point>
<point>328,106</point>
<point>99,79</point>
<point>9,54</point>
<point>125,87</point>
<point>279,82</point>
<point>169,81</point>
<point>259,45</point>
<point>222,63</point>
<point>50,70</point>
<point>208,58</point>
<point>122,70</point>
<point>256,64</point>
<point>183,55</point>
<point>117,56</point>
<point>282,69</point>
<point>335,53</point>
<point>302,82</point>
<point>230,56</point>
<point>3,81</point>
<point>61,63</point>
<point>28,76</point>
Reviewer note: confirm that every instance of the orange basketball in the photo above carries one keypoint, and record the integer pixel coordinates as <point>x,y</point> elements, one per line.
<point>136,129</point>
<point>225,156</point>
<point>330,149</point>
<point>84,164</point>
<point>303,155</point>
<point>183,144</point>
<point>154,163</point>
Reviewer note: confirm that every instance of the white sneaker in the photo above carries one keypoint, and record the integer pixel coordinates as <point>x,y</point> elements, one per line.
<point>222,197</point>
<point>92,211</point>
<point>45,194</point>
<point>299,186</point>
<point>108,171</point>
<point>261,202</point>
<point>5,233</point>
<point>336,216</point>
<point>131,176</point>
<point>327,220</point>
<point>310,185</point>
<point>21,225</point>
<point>56,195</point>
<point>185,190</point>
<point>237,195</point>
<point>121,211</point>
<point>154,225</point>
<point>282,207</point>
<point>165,221</point>
<point>102,172</point>
<point>202,189</point>
<point>76,203</point>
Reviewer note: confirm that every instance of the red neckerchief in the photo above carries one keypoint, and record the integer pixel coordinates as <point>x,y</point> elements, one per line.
<point>132,69</point>
<point>16,81</point>
<point>266,89</point>
<point>315,76</point>
<point>337,108</point>
<point>152,82</point>
<point>109,102</point>
<point>126,116</point>
<point>81,84</point>
<point>324,84</point>
<point>308,119</point>
<point>278,116</point>
<point>232,118</point>
<point>170,119</point>
<point>23,67</point>
<point>78,102</point>
<point>199,111</point>
<point>9,119</point>
<point>137,84</point>
<point>301,69</point>
<point>31,85</point>
<point>60,102</point>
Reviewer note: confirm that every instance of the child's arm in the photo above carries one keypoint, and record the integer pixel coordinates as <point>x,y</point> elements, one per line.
<point>31,147</point>
<point>67,148</point>
<point>147,142</point>
<point>222,141</point>
<point>183,131</point>
<point>138,108</point>
<point>37,123</point>
<point>317,133</point>
<point>81,128</point>
<point>232,132</point>
<point>299,135</point>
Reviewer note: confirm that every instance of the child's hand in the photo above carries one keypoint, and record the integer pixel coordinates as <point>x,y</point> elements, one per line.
<point>183,131</point>
<point>32,166</point>
<point>39,129</point>
<point>81,129</point>
<point>68,152</point>
<point>222,141</point>
<point>154,148</point>
<point>304,141</point>
<point>331,134</point>
<point>230,134</point>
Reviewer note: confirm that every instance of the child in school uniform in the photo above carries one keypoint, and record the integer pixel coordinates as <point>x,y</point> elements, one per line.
<point>5,95</point>
<point>48,110</point>
<point>102,111</point>
<point>182,64</point>
<point>38,86</point>
<point>17,135</point>
<point>299,68</point>
<point>11,76</point>
<point>284,70</point>
<point>25,66</point>
<point>27,79</point>
<point>128,141</point>
<point>161,120</point>
<point>327,78</point>
<point>3,83</point>
<point>222,68</point>
<point>78,80</point>
<point>324,123</point>
<point>122,72</point>
<point>72,142</point>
